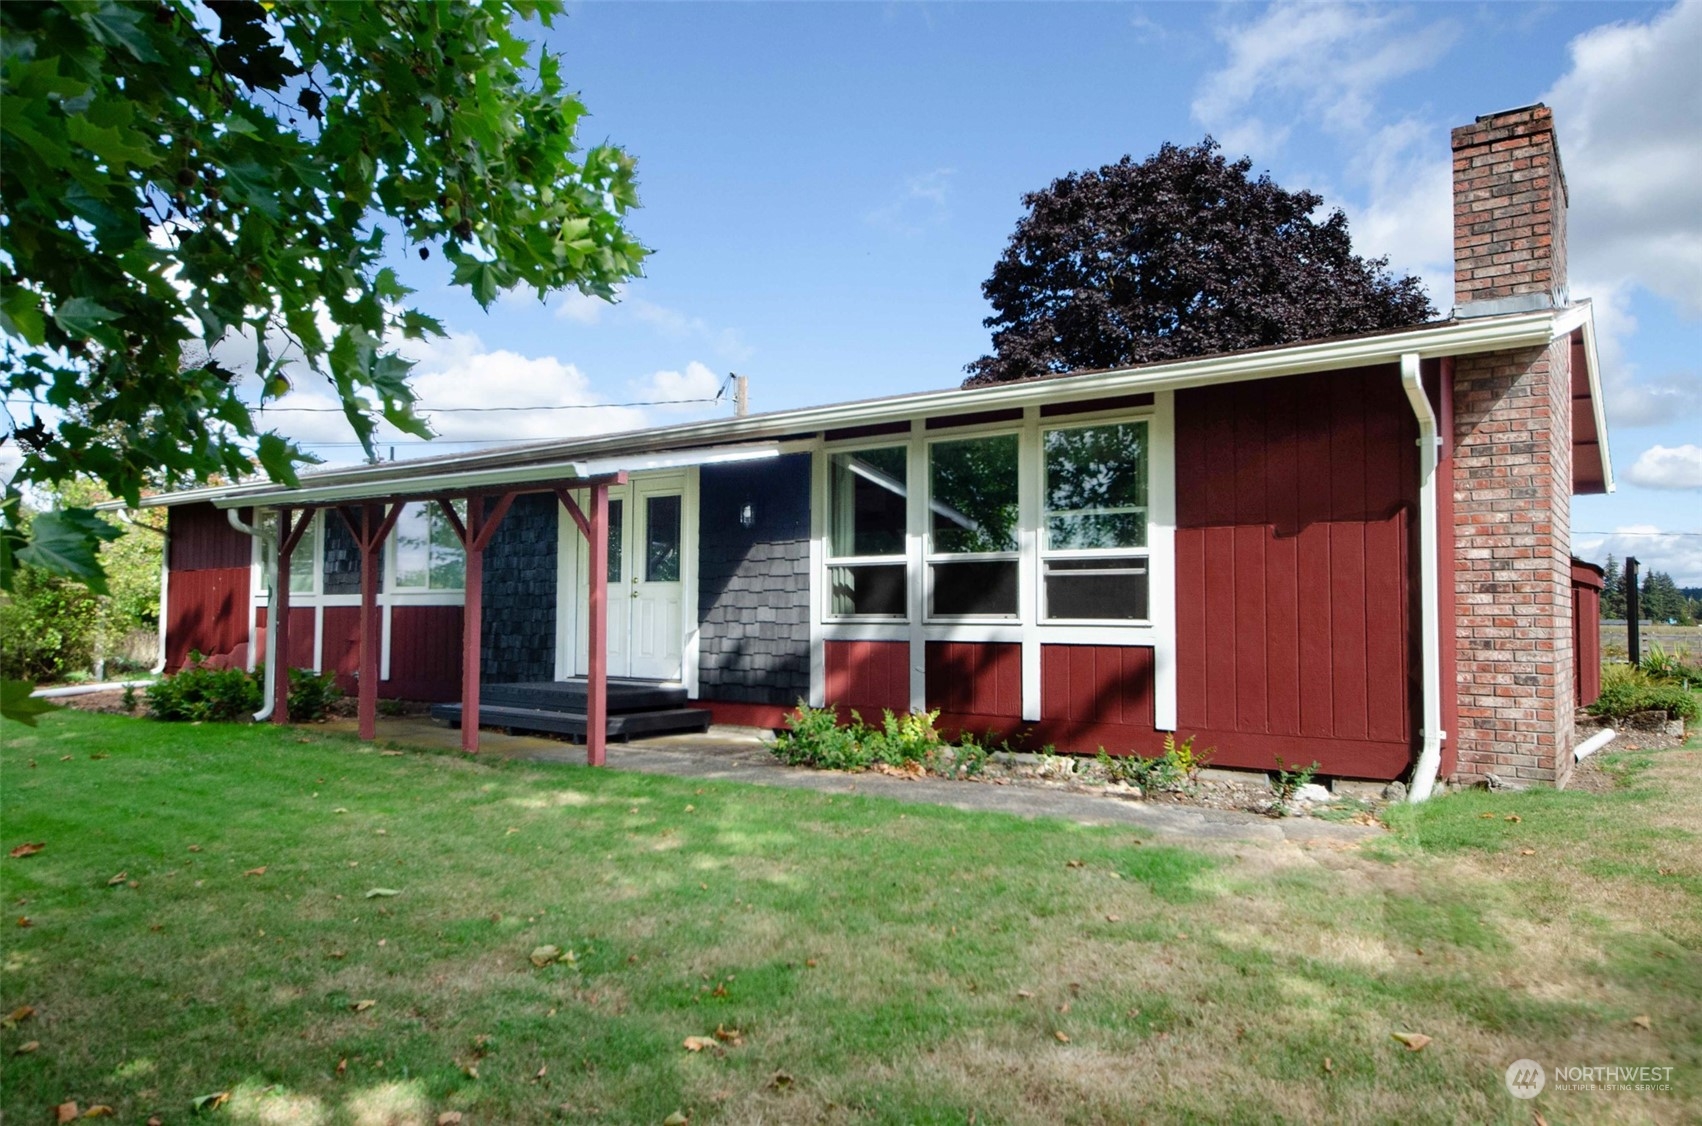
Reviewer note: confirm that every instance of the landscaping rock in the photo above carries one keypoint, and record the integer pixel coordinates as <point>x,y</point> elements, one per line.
<point>1314,793</point>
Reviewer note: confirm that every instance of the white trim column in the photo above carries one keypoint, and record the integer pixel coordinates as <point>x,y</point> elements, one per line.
<point>1161,556</point>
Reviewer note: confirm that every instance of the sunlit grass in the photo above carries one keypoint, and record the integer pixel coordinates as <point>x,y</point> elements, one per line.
<point>880,962</point>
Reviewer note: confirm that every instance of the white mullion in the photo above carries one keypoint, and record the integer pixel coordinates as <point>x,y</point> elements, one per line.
<point>1030,471</point>
<point>689,493</point>
<point>821,491</point>
<point>1161,557</point>
<point>916,496</point>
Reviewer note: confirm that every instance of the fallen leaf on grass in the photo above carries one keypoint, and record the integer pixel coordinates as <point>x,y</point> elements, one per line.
<point>1061,1036</point>
<point>1513,817</point>
<point>382,893</point>
<point>98,756</point>
<point>1537,1119</point>
<point>1490,816</point>
<point>363,1006</point>
<point>18,1016</point>
<point>542,1071</point>
<point>260,871</point>
<point>449,1118</point>
<point>210,1102</point>
<point>810,962</point>
<point>28,848</point>
<point>678,1118</point>
<point>697,1043</point>
<point>780,1081</point>
<point>342,1067</point>
<point>1414,1041</point>
<point>729,1036</point>
<point>1641,1021</point>
<point>544,955</point>
<point>1025,994</point>
<point>100,1110</point>
<point>24,921</point>
<point>1329,1064</point>
<point>391,754</point>
<point>339,809</point>
<point>154,1120</point>
<point>194,848</point>
<point>1113,918</point>
<point>65,1112</point>
<point>1527,852</point>
<point>1072,864</point>
<point>26,1047</point>
<point>118,879</point>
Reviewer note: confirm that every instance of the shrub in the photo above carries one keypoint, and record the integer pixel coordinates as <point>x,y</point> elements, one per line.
<point>47,627</point>
<point>816,738</point>
<point>312,694</point>
<point>1675,667</point>
<point>907,738</point>
<point>1288,782</point>
<point>1176,768</point>
<point>1627,691</point>
<point>199,694</point>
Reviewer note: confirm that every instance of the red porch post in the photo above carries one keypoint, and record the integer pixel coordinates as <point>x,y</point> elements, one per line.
<point>288,538</point>
<point>370,532</point>
<point>597,678</point>
<point>475,537</point>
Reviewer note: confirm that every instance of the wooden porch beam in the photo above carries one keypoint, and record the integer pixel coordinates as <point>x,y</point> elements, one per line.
<point>289,537</point>
<point>477,533</point>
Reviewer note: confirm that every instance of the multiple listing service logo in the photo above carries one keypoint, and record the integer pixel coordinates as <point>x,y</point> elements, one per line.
<point>1526,1079</point>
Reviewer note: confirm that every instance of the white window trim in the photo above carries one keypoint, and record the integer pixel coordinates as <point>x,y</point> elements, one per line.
<point>1019,556</point>
<point>1026,629</point>
<point>1047,554</point>
<point>821,538</point>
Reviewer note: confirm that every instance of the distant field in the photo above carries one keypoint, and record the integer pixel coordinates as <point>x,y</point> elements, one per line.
<point>1669,638</point>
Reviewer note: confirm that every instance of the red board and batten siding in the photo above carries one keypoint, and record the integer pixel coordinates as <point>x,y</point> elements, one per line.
<point>207,587</point>
<point>977,686</point>
<point>1588,580</point>
<point>425,654</point>
<point>867,677</point>
<point>1296,503</point>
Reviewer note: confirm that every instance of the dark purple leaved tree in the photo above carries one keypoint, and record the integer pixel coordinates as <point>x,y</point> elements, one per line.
<point>1179,255</point>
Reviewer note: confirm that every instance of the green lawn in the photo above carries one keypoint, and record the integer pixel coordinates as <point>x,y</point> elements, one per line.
<point>879,962</point>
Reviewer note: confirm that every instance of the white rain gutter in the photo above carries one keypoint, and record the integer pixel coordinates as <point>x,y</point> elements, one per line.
<point>1453,338</point>
<point>1430,620</point>
<point>86,689</point>
<point>268,562</point>
<point>1593,744</point>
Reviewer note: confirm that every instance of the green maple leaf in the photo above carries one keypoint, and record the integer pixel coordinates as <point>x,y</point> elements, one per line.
<point>67,542</point>
<point>16,703</point>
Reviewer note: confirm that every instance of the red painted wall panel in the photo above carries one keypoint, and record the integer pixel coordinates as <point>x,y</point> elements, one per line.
<point>207,611</point>
<point>1587,585</point>
<point>868,676</point>
<point>1296,512</point>
<point>425,653</point>
<point>201,539</point>
<point>340,651</point>
<point>1094,696</point>
<point>301,636</point>
<point>974,683</point>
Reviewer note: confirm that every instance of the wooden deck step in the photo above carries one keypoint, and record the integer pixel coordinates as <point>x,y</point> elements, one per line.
<point>624,695</point>
<point>627,725</point>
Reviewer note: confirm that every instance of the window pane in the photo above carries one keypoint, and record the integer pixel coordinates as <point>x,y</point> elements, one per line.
<point>975,588</point>
<point>1096,489</point>
<point>1096,589</point>
<point>448,561</point>
<point>868,509</point>
<point>874,589</point>
<point>617,538</point>
<point>973,495</point>
<point>413,547</point>
<point>304,559</point>
<point>662,539</point>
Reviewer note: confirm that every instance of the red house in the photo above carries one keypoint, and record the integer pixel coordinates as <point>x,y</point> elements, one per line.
<point>1354,551</point>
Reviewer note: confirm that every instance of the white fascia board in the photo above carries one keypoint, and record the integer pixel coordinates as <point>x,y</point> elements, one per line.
<point>1592,366</point>
<point>1455,338</point>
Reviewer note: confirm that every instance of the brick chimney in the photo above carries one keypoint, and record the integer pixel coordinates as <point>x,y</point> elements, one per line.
<point>1509,214</point>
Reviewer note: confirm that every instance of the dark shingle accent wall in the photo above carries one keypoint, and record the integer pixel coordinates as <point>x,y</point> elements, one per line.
<point>520,594</point>
<point>342,557</point>
<point>753,601</point>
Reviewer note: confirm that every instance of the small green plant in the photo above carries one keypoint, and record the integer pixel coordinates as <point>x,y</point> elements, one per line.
<point>1288,782</point>
<point>815,738</point>
<point>1627,691</point>
<point>907,738</point>
<point>312,694</point>
<point>1673,667</point>
<point>965,760</point>
<point>128,700</point>
<point>200,694</point>
<point>1177,768</point>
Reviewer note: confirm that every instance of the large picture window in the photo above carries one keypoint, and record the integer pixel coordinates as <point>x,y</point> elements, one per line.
<point>425,553</point>
<point>304,560</point>
<point>1094,528</point>
<point>972,526</point>
<point>866,533</point>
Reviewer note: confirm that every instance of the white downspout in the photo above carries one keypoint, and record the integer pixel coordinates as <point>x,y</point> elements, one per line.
<point>1430,621</point>
<point>165,580</point>
<point>268,565</point>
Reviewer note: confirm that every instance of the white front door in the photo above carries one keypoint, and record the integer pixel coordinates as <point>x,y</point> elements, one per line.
<point>646,571</point>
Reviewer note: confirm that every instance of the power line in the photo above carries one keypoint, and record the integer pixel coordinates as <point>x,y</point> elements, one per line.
<point>1577,533</point>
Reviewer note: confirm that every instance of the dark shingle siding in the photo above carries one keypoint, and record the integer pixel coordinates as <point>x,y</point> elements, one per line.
<point>753,583</point>
<point>520,594</point>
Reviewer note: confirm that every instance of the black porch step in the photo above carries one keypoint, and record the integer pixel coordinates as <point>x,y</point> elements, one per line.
<point>624,695</point>
<point>628,725</point>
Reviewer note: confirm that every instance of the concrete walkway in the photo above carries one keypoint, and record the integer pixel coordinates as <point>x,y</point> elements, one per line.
<point>737,754</point>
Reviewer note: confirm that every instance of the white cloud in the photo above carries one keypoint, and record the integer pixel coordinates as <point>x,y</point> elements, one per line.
<point>685,390</point>
<point>727,344</point>
<point>582,308</point>
<point>1627,119</point>
<point>922,201</point>
<point>1322,62</point>
<point>1677,554</point>
<point>1668,467</point>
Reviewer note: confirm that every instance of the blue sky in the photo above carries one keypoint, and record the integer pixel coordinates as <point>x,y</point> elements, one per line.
<point>827,185</point>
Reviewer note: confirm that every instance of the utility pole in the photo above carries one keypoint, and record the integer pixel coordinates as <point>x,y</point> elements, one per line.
<point>1633,611</point>
<point>741,395</point>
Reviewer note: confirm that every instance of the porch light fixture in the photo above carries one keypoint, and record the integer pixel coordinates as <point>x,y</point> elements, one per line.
<point>747,516</point>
